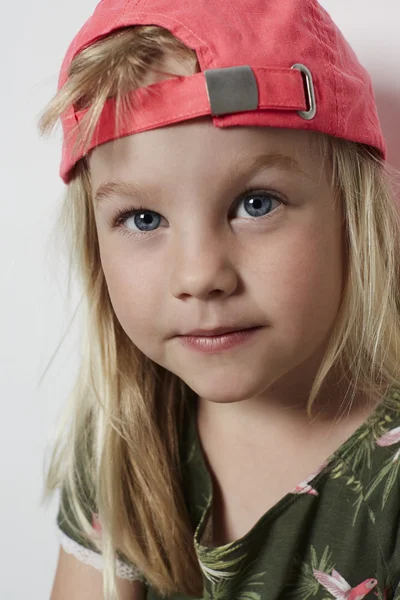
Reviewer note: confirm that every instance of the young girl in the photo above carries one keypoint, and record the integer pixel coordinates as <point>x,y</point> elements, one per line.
<point>234,431</point>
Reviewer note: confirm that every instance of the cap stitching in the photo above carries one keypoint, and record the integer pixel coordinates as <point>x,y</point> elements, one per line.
<point>144,13</point>
<point>136,4</point>
<point>123,11</point>
<point>336,80</point>
<point>314,17</point>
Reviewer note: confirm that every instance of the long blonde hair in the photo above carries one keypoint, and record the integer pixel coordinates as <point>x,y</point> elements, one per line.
<point>125,414</point>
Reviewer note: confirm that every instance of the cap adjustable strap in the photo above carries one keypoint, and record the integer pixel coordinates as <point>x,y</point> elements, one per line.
<point>212,92</point>
<point>242,88</point>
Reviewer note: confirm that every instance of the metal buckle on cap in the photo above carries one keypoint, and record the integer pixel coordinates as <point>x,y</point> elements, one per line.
<point>231,90</point>
<point>311,112</point>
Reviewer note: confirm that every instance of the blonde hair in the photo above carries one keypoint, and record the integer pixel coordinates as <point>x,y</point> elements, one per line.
<point>125,411</point>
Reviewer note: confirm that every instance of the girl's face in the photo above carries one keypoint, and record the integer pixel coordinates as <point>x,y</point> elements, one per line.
<point>202,252</point>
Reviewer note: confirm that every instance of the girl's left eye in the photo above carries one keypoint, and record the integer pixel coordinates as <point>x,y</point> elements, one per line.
<point>257,203</point>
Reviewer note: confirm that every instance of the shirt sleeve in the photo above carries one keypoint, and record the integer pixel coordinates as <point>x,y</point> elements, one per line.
<point>75,542</point>
<point>95,559</point>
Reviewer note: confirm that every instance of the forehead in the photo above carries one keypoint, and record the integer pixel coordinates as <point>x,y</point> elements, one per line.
<point>197,148</point>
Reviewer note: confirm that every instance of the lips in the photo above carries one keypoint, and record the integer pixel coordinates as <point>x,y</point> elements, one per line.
<point>225,342</point>
<point>217,331</point>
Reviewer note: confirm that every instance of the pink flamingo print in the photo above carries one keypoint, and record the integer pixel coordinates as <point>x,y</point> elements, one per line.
<point>96,523</point>
<point>304,487</point>
<point>340,589</point>
<point>389,438</point>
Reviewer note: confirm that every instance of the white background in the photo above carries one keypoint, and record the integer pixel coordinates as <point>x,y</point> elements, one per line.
<point>35,311</point>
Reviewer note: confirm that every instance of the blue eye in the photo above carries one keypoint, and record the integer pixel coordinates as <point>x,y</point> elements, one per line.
<point>257,204</point>
<point>148,219</point>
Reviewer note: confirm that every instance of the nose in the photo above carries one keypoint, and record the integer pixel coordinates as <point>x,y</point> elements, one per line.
<point>203,266</point>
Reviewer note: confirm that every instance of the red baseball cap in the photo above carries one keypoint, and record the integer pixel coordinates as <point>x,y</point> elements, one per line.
<point>266,63</point>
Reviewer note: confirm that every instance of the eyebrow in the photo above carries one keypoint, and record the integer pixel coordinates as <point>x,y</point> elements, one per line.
<point>109,189</point>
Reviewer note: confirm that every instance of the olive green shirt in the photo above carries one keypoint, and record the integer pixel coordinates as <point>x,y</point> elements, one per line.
<point>336,535</point>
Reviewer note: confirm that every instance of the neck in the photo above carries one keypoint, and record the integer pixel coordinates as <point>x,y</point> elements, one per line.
<point>285,404</point>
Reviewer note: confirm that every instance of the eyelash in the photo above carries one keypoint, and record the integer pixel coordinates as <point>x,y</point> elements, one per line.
<point>123,214</point>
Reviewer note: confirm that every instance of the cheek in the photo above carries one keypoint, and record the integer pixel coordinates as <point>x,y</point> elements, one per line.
<point>307,275</point>
<point>135,293</point>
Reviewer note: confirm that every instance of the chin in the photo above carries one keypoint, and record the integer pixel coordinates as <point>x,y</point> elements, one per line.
<point>219,392</point>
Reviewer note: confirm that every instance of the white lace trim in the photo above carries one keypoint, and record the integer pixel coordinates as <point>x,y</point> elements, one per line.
<point>96,560</point>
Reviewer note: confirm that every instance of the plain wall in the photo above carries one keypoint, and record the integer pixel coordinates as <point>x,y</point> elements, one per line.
<point>35,313</point>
